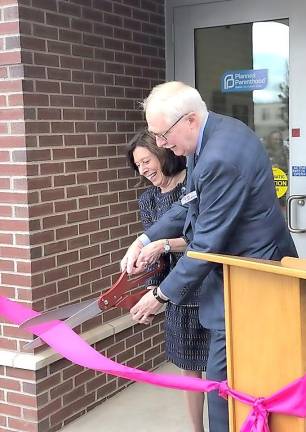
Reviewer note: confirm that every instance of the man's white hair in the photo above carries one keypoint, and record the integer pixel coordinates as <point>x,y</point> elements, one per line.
<point>174,99</point>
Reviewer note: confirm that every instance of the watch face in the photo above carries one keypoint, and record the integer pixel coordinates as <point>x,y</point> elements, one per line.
<point>166,248</point>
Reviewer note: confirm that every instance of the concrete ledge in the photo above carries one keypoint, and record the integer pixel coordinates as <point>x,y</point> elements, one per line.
<point>30,361</point>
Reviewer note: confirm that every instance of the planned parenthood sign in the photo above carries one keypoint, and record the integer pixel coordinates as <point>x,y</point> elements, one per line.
<point>244,80</point>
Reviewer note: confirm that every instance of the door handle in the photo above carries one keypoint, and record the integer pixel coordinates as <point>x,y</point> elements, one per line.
<point>301,200</point>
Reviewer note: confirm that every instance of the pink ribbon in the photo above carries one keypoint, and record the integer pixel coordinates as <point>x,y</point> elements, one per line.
<point>291,400</point>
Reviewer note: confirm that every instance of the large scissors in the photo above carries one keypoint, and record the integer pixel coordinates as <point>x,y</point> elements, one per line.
<point>75,314</point>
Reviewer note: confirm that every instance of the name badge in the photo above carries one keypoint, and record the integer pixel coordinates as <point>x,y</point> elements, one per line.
<point>189,197</point>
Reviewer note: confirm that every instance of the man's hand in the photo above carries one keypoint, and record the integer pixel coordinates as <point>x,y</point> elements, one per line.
<point>129,261</point>
<point>146,307</point>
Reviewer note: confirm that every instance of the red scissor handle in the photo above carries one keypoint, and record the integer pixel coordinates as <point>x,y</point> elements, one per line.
<point>128,301</point>
<point>117,295</point>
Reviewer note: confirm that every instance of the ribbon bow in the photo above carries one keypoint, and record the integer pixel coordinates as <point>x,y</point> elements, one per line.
<point>257,420</point>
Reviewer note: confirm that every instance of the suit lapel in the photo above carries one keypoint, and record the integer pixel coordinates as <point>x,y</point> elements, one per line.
<point>191,216</point>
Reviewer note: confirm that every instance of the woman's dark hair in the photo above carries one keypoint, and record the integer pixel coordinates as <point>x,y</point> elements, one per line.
<point>170,163</point>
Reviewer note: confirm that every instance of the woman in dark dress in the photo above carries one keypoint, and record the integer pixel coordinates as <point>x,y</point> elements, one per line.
<point>186,340</point>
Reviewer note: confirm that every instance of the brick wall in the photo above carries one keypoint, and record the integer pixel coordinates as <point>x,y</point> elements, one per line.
<point>15,275</point>
<point>68,205</point>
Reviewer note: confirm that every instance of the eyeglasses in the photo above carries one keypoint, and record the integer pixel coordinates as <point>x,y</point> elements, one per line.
<point>163,135</point>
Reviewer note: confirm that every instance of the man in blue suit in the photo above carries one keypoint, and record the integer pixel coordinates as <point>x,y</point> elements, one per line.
<point>230,207</point>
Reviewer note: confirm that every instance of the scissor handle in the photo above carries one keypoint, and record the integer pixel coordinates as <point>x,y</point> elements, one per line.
<point>129,300</point>
<point>113,297</point>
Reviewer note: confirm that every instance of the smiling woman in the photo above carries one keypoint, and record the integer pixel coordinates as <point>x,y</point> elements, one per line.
<point>159,165</point>
<point>186,341</point>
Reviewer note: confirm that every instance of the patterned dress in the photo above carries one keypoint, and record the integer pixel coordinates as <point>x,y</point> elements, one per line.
<point>186,341</point>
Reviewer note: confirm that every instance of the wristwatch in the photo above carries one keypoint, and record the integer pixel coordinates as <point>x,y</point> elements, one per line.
<point>167,247</point>
<point>158,298</point>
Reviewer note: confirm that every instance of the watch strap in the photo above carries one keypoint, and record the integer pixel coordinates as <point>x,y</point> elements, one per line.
<point>167,247</point>
<point>158,298</point>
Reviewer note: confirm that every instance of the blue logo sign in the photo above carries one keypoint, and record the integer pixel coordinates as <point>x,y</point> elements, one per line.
<point>299,170</point>
<point>244,80</point>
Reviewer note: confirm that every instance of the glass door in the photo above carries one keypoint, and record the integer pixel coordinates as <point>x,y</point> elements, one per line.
<point>236,53</point>
<point>243,72</point>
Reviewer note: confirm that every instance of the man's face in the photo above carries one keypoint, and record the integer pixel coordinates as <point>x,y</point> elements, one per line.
<point>180,136</point>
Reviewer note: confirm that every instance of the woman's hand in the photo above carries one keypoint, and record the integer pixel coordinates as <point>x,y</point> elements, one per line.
<point>150,254</point>
<point>130,262</point>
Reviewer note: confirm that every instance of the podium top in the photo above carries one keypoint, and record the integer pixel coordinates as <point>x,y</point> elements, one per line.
<point>288,266</point>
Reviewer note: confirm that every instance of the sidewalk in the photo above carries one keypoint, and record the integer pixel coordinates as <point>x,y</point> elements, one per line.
<point>139,408</point>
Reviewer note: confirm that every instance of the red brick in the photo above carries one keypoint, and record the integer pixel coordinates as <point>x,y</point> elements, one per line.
<point>10,86</point>
<point>33,127</point>
<point>51,168</point>
<point>53,194</point>
<point>68,283</point>
<point>48,114</point>
<point>6,211</point>
<point>16,198</point>
<point>9,384</point>
<point>22,425</point>
<point>8,58</point>
<point>78,216</point>
<point>50,141</point>
<point>66,205</point>
<point>16,280</point>
<point>22,239</point>
<point>7,292</point>
<point>79,268</point>
<point>88,227</point>
<point>42,237</point>
<point>21,399</point>
<point>11,114</point>
<point>67,258</point>
<point>4,182</point>
<point>13,170</point>
<point>36,100</point>
<point>55,247</point>
<point>46,59</point>
<point>50,408</point>
<point>10,410</point>
<point>3,128</point>
<point>13,225</point>
<point>6,265</point>
<point>78,242</point>
<point>29,414</point>
<point>9,28</point>
<point>43,264</point>
<point>41,210</point>
<point>23,267</point>
<point>58,299</point>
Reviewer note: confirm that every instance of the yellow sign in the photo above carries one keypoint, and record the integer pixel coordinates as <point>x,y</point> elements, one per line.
<point>280,181</point>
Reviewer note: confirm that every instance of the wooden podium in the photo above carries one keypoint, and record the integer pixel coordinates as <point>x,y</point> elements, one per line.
<point>265,316</point>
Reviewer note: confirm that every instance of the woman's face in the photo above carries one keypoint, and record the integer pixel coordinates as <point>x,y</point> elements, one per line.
<point>149,166</point>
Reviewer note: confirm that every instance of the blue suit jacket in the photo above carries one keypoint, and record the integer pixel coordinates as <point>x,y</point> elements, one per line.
<point>236,212</point>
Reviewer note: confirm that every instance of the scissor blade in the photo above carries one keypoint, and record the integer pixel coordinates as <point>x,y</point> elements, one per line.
<point>91,310</point>
<point>84,314</point>
<point>57,314</point>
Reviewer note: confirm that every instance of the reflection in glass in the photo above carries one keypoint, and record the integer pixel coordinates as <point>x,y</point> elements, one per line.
<point>249,46</point>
